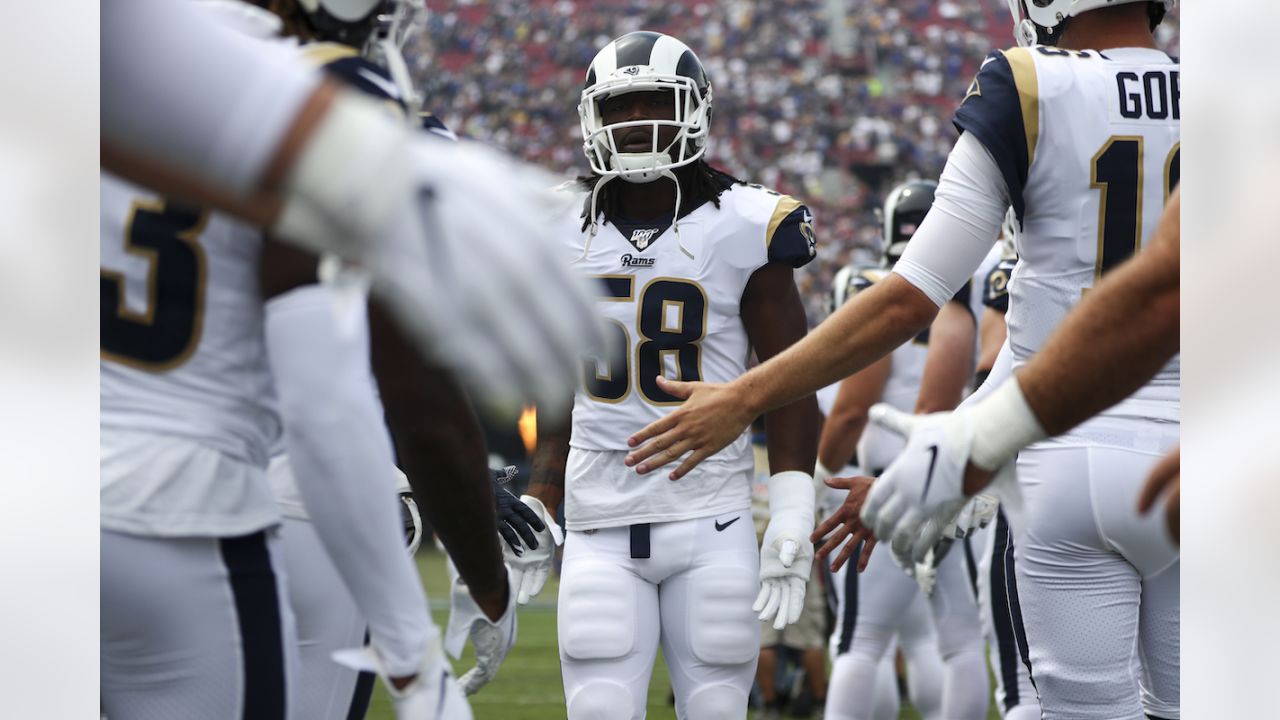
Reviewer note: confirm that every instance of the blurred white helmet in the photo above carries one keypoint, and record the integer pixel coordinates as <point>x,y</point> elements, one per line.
<point>645,62</point>
<point>1036,22</point>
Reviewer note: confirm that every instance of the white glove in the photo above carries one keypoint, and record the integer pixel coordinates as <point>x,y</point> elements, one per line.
<point>926,481</point>
<point>786,555</point>
<point>926,574</point>
<point>529,570</point>
<point>492,641</point>
<point>458,240</point>
<point>977,513</point>
<point>432,695</point>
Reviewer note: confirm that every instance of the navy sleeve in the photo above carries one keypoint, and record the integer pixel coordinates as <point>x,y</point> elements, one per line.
<point>790,235</point>
<point>962,297</point>
<point>995,291</point>
<point>1002,110</point>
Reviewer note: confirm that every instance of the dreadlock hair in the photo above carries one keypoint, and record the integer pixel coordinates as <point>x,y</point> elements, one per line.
<point>699,183</point>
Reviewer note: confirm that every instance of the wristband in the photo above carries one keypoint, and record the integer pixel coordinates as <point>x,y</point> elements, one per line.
<point>1003,424</point>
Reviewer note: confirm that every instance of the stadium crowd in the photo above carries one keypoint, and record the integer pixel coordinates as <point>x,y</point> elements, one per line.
<point>833,110</point>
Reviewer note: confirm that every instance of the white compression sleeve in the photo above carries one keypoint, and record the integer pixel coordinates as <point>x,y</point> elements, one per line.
<point>968,208</point>
<point>181,87</point>
<point>342,459</point>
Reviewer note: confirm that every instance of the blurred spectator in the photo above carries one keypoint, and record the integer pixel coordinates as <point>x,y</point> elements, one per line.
<point>791,112</point>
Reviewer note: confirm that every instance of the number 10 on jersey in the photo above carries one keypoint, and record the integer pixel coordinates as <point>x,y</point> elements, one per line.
<point>671,321</point>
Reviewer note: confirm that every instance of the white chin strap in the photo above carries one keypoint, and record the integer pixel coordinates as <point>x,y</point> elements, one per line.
<point>640,167</point>
<point>595,194</point>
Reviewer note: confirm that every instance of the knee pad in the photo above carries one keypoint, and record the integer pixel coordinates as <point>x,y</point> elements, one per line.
<point>597,612</point>
<point>723,630</point>
<point>601,700</point>
<point>716,702</point>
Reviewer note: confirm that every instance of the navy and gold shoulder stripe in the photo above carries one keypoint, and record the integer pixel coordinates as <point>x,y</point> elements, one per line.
<point>1002,110</point>
<point>789,237</point>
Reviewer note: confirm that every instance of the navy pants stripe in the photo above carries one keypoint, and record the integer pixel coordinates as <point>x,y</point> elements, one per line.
<point>253,586</point>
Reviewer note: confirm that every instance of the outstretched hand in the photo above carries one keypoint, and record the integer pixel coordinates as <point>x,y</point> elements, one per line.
<point>845,523</point>
<point>711,417</point>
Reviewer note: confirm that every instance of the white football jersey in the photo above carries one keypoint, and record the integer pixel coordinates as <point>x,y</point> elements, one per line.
<point>878,447</point>
<point>182,356</point>
<point>673,311</point>
<point>977,299</point>
<point>1089,144</point>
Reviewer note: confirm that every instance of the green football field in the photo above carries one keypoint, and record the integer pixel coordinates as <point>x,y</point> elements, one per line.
<point>528,685</point>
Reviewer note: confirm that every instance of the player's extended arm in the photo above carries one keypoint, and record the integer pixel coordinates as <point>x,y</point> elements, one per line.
<point>843,427</point>
<point>217,133</point>
<point>949,365</point>
<point>865,329</point>
<point>967,211</point>
<point>1123,331</point>
<point>442,451</point>
<point>342,457</point>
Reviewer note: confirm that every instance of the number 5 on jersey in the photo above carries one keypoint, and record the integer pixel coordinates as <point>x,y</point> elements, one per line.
<point>671,319</point>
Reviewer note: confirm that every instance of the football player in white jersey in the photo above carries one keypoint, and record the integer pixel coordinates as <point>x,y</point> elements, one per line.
<point>328,616</point>
<point>187,412</point>
<point>697,271</point>
<point>1082,140</point>
<point>929,373</point>
<point>915,634</point>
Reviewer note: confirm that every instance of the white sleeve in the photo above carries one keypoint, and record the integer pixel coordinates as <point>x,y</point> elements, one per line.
<point>342,460</point>
<point>968,208</point>
<point>181,87</point>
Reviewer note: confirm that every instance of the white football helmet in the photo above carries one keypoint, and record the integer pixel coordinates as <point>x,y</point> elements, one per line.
<point>396,22</point>
<point>1035,22</point>
<point>645,62</point>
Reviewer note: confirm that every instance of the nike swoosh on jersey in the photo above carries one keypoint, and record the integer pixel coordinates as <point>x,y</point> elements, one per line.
<point>720,528</point>
<point>933,460</point>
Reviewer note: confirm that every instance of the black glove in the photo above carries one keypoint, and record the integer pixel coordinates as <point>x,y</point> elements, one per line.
<point>516,520</point>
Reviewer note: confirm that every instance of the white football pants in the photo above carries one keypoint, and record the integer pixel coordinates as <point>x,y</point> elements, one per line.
<point>327,620</point>
<point>198,628</point>
<point>1002,622</point>
<point>885,593</point>
<point>693,593</point>
<point>1096,581</point>
<point>919,643</point>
